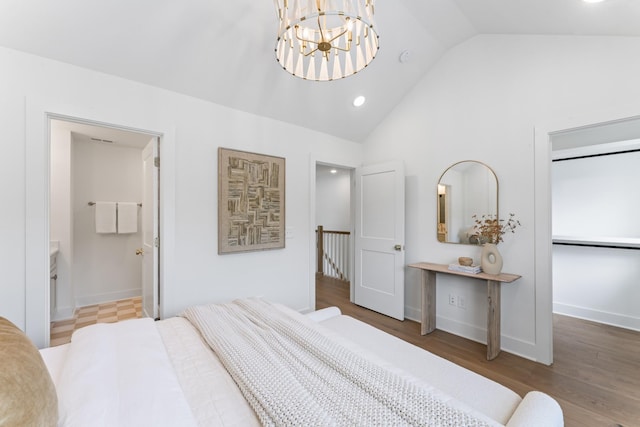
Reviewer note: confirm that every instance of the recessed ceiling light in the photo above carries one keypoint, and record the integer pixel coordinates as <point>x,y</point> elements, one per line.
<point>592,1</point>
<point>359,101</point>
<point>333,171</point>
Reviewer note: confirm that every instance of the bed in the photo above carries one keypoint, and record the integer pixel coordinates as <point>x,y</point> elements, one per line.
<point>250,362</point>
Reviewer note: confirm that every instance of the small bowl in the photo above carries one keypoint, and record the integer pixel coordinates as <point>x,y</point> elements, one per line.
<point>466,261</point>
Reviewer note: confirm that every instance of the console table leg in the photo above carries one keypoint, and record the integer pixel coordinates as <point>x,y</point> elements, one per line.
<point>493,320</point>
<point>428,316</point>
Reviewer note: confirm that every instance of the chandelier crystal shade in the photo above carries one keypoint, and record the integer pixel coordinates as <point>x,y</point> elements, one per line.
<point>325,39</point>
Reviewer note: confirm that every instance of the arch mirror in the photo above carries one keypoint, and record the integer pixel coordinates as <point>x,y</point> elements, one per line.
<point>465,189</point>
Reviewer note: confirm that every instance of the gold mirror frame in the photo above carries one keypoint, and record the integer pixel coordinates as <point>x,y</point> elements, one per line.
<point>471,188</point>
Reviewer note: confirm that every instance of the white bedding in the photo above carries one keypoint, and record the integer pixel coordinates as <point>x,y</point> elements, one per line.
<point>104,383</point>
<point>212,394</point>
<point>175,379</point>
<point>480,393</point>
<point>496,401</point>
<point>293,373</point>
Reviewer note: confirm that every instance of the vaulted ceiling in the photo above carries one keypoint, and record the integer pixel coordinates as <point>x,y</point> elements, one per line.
<point>223,51</point>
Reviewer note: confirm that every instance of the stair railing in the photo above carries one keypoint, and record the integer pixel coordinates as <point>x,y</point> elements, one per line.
<point>333,250</point>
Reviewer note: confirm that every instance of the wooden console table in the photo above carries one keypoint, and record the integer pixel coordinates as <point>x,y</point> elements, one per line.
<point>428,316</point>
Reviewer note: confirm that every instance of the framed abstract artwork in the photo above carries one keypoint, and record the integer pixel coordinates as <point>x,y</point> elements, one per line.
<point>251,201</point>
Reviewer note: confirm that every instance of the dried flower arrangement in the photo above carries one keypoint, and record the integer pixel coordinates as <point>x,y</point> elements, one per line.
<point>490,229</point>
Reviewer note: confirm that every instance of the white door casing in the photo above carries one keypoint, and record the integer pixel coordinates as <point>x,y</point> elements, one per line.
<point>150,230</point>
<point>379,238</point>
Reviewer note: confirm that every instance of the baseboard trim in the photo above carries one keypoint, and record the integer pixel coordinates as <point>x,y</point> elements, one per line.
<point>107,297</point>
<point>608,318</point>
<point>509,344</point>
<point>412,313</point>
<point>63,313</point>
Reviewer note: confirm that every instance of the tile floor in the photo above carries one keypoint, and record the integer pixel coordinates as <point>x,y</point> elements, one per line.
<point>108,312</point>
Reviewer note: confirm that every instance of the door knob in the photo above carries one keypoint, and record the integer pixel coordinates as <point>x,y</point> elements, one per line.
<point>398,247</point>
<point>139,251</point>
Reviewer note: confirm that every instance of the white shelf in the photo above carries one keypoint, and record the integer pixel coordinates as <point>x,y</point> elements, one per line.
<point>618,242</point>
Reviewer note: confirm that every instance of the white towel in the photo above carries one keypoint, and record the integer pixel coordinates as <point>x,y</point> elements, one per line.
<point>105,217</point>
<point>127,217</point>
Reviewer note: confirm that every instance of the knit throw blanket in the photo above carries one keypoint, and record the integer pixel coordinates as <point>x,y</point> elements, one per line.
<point>293,375</point>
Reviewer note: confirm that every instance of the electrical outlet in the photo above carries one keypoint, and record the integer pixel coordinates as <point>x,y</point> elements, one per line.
<point>452,299</point>
<point>461,302</point>
<point>289,233</point>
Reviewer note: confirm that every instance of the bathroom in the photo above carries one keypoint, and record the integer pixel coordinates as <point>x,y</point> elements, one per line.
<point>90,164</point>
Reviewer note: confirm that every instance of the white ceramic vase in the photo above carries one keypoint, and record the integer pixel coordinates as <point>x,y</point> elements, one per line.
<point>490,259</point>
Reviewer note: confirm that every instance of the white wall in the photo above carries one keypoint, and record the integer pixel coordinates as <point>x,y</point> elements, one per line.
<point>597,196</point>
<point>482,102</point>
<point>333,199</point>
<point>193,272</point>
<point>61,226</point>
<point>105,266</point>
<point>598,284</point>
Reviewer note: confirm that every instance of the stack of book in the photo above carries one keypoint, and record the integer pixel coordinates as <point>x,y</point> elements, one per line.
<point>473,269</point>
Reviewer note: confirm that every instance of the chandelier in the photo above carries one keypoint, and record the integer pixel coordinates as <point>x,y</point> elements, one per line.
<point>325,39</point>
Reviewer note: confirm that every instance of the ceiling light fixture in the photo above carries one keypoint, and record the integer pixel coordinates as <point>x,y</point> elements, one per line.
<point>593,1</point>
<point>359,101</point>
<point>325,39</point>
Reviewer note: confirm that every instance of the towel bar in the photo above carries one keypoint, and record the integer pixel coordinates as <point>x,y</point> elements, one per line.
<point>93,203</point>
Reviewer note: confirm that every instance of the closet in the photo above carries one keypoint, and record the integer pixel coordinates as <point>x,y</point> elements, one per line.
<point>596,231</point>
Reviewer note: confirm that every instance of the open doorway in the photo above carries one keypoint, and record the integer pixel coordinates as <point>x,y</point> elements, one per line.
<point>596,235</point>
<point>375,253</point>
<point>547,139</point>
<point>103,214</point>
<point>334,243</point>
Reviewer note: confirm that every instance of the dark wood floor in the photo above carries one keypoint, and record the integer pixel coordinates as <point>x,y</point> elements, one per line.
<point>595,376</point>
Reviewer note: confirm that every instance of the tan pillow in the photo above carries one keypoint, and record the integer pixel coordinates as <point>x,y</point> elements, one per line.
<point>27,394</point>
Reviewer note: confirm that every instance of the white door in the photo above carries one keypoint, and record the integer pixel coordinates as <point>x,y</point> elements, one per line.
<point>149,226</point>
<point>379,239</point>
